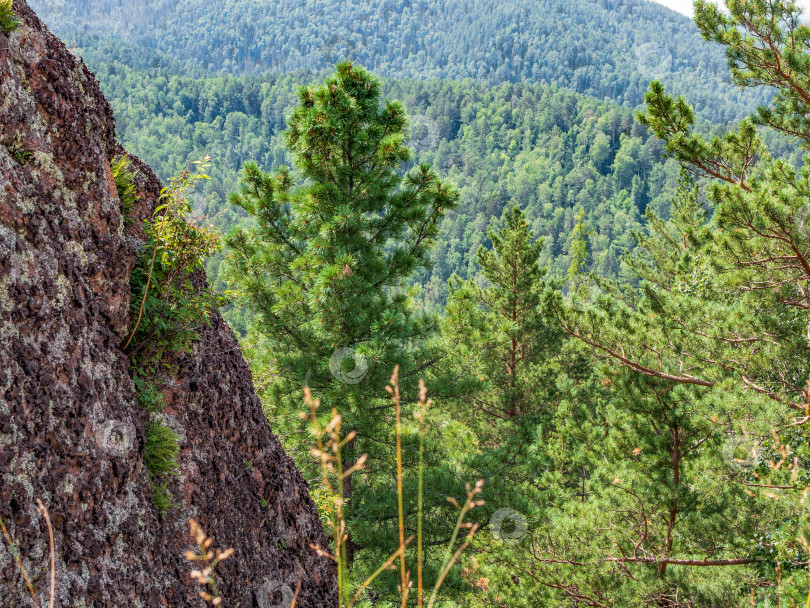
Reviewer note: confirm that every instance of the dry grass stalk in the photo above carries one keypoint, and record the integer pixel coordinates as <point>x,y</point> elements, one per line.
<point>52,596</point>
<point>421,417</point>
<point>328,451</point>
<point>393,390</point>
<point>451,558</point>
<point>210,559</point>
<point>44,512</point>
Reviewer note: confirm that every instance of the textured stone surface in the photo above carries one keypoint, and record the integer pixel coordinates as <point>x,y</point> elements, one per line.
<point>71,432</point>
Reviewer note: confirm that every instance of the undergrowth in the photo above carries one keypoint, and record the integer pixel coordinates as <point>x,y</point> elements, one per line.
<point>8,18</point>
<point>149,396</point>
<point>167,305</point>
<point>160,457</point>
<point>16,148</point>
<point>161,449</point>
<point>162,498</point>
<point>124,176</point>
<point>168,308</point>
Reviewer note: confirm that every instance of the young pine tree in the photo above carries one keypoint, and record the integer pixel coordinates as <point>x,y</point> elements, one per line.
<point>578,248</point>
<point>535,412</point>
<point>499,324</point>
<point>324,267</point>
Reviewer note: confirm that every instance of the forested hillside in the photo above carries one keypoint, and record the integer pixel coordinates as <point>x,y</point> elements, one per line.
<point>550,151</point>
<point>602,48</point>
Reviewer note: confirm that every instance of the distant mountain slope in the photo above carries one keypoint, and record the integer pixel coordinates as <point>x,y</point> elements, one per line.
<point>603,48</point>
<point>550,151</point>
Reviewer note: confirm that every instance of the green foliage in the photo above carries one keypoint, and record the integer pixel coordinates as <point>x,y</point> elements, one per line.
<point>324,272</point>
<point>8,17</point>
<point>163,499</point>
<point>22,156</point>
<point>167,306</point>
<point>549,151</point>
<point>497,327</point>
<point>149,396</point>
<point>578,247</point>
<point>533,416</point>
<point>608,413</point>
<point>709,349</point>
<point>326,263</point>
<point>17,150</point>
<point>124,176</point>
<point>161,449</point>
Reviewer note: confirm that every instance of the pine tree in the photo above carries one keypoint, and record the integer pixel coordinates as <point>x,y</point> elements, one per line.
<point>712,346</point>
<point>500,323</point>
<point>324,268</point>
<point>578,248</point>
<point>536,412</point>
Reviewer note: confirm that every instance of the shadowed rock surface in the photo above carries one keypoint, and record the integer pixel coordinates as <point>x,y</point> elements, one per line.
<point>71,431</point>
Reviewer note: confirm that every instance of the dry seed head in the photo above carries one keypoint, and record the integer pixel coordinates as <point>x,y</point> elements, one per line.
<point>333,423</point>
<point>320,552</point>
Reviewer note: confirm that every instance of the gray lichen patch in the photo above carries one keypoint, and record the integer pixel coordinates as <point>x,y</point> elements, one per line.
<point>6,303</point>
<point>64,292</point>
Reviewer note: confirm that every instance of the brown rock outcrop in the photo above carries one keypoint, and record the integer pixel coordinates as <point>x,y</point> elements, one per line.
<point>71,431</point>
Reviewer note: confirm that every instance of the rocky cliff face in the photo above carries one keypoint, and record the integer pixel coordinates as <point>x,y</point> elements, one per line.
<point>71,431</point>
